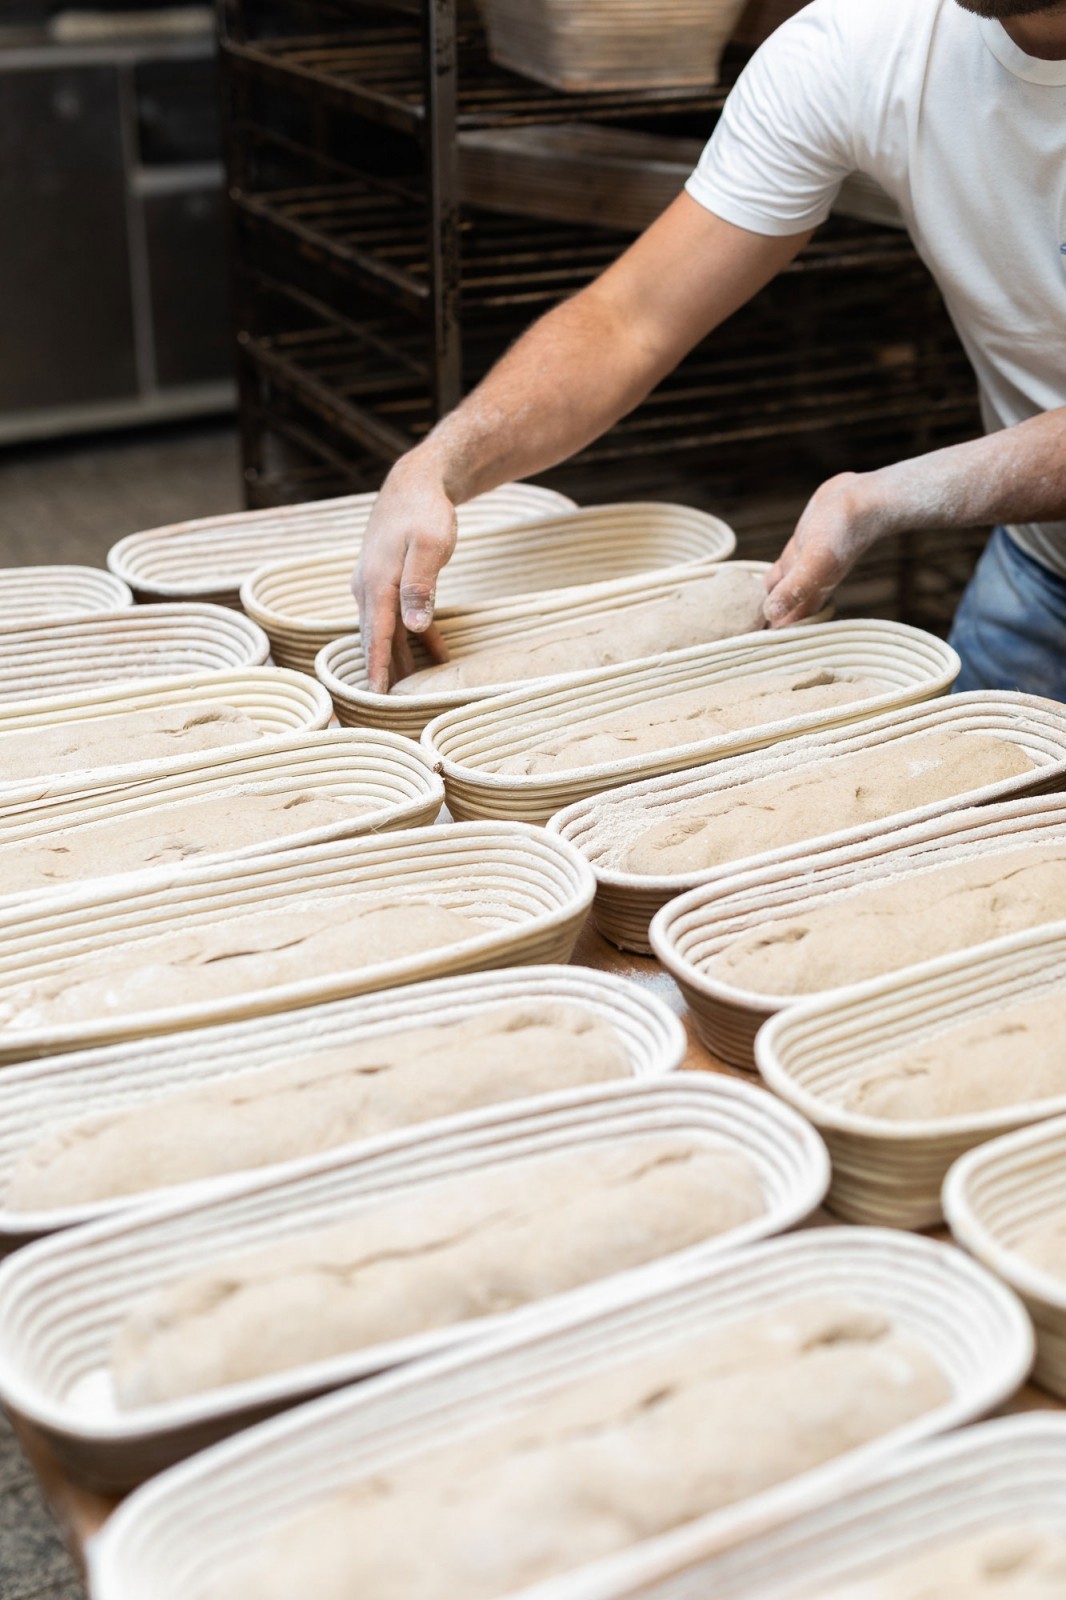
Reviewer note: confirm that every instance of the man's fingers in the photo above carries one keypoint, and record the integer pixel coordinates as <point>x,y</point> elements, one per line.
<point>378,623</point>
<point>402,663</point>
<point>433,640</point>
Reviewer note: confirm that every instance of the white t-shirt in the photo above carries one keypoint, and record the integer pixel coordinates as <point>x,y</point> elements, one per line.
<point>965,131</point>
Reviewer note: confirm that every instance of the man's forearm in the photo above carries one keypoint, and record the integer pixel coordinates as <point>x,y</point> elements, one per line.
<point>1016,475</point>
<point>567,380</point>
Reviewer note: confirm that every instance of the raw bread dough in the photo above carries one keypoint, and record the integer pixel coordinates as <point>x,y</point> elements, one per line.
<point>602,1462</point>
<point>1007,1057</point>
<point>233,956</point>
<point>727,603</point>
<point>159,733</point>
<point>690,717</point>
<point>837,792</point>
<point>881,927</point>
<point>161,835</point>
<point>468,1247</point>
<point>322,1099</point>
<point>1027,1563</point>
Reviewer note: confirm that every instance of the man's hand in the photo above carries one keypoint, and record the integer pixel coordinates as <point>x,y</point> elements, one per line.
<point>842,520</point>
<point>409,538</point>
<point>1015,475</point>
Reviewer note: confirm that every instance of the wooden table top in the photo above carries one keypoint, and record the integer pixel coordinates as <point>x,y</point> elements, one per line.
<point>80,1513</point>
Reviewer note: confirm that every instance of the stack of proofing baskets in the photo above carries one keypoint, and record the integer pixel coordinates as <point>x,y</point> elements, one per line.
<point>284,672</point>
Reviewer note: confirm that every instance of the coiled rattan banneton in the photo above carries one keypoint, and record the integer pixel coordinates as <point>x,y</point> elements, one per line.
<point>531,892</point>
<point>238,1492</point>
<point>305,605</point>
<point>471,742</point>
<point>994,1197</point>
<point>341,666</point>
<point>104,1272</point>
<point>891,1171</point>
<point>45,660</point>
<point>58,594</point>
<point>209,559</point>
<point>279,703</point>
<point>691,931</point>
<point>998,1478</point>
<point>387,778</point>
<point>606,826</point>
<point>41,1097</point>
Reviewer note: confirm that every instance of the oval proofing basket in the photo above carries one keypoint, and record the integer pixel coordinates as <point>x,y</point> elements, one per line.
<point>279,703</point>
<point>209,559</point>
<point>46,660</point>
<point>689,933</point>
<point>470,743</point>
<point>530,892</point>
<point>996,1478</point>
<point>175,1533</point>
<point>50,1363</point>
<point>341,667</point>
<point>387,781</point>
<point>887,1170</point>
<point>994,1198</point>
<point>605,827</point>
<point>40,594</point>
<point>38,1099</point>
<point>305,605</point>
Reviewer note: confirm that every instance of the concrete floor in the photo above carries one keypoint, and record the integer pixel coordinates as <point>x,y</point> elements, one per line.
<point>70,503</point>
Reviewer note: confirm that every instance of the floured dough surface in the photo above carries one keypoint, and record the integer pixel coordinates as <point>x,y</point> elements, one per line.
<point>166,835</point>
<point>603,1462</point>
<point>159,733</point>
<point>839,792</point>
<point>882,927</point>
<point>320,1100</point>
<point>1027,1563</point>
<point>472,1246</point>
<point>235,955</point>
<point>1010,1056</point>
<point>727,603</point>
<point>690,717</point>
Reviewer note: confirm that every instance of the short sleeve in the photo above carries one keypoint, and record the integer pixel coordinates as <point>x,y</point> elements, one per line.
<point>784,143</point>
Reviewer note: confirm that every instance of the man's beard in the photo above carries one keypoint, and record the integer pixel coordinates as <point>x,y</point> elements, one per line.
<point>999,9</point>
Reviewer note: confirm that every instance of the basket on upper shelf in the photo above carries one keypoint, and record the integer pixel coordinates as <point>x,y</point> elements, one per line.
<point>579,45</point>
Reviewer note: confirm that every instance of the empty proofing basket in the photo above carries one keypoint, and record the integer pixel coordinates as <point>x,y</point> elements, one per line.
<point>209,559</point>
<point>52,594</point>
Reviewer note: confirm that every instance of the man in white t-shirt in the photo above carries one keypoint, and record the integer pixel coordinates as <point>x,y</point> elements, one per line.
<point>958,109</point>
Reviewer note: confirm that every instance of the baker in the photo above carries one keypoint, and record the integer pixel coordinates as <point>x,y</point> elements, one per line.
<point>957,108</point>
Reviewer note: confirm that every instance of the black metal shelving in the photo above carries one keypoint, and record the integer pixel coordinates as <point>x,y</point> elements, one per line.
<point>369,299</point>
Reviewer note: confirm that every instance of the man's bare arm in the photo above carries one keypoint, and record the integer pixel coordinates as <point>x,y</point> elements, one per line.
<point>569,378</point>
<point>1017,475</point>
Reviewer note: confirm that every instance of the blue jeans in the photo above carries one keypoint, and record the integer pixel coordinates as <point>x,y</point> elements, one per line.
<point>1010,628</point>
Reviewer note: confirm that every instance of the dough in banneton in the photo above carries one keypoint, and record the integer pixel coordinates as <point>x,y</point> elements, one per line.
<point>1026,1563</point>
<point>321,1099</point>
<point>835,793</point>
<point>233,956</point>
<point>603,1462</point>
<point>882,927</point>
<point>691,716</point>
<point>158,733</point>
<point>1004,1057</point>
<point>471,1246</point>
<point>728,602</point>
<point>163,835</point>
